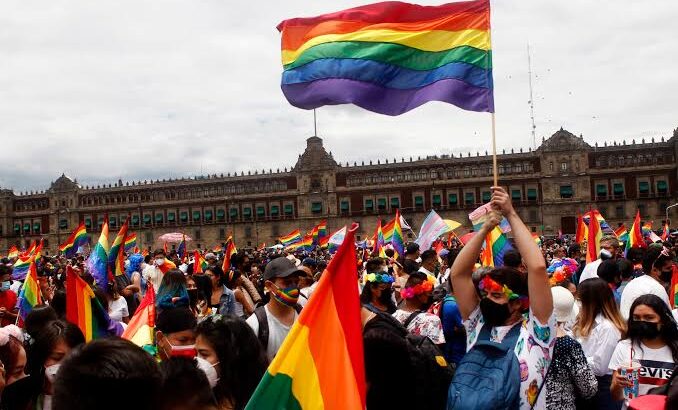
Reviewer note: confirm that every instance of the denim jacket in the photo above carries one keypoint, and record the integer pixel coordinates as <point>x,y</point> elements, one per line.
<point>227,302</point>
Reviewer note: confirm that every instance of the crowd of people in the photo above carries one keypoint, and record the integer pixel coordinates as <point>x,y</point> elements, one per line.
<point>544,331</point>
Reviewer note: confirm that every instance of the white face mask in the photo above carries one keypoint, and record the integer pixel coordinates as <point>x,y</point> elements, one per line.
<point>51,372</point>
<point>159,261</point>
<point>210,371</point>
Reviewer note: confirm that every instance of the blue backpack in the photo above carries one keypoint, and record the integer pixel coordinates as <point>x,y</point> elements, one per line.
<point>488,377</point>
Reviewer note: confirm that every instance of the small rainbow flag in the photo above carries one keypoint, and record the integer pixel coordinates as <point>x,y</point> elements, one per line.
<point>291,238</point>
<point>320,365</point>
<point>387,231</point>
<point>217,249</point>
<point>21,267</point>
<point>620,232</point>
<point>582,231</point>
<point>130,241</point>
<point>13,253</point>
<point>31,249</point>
<point>397,240</point>
<point>84,309</point>
<point>305,245</point>
<point>199,262</point>
<point>498,245</point>
<point>140,329</point>
<point>665,232</point>
<point>118,243</point>
<point>537,238</point>
<point>30,295</point>
<point>390,57</point>
<point>228,254</point>
<point>97,263</point>
<point>378,238</point>
<point>636,239</point>
<point>75,241</point>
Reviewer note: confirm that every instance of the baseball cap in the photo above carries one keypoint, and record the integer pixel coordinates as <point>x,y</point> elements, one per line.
<point>412,248</point>
<point>281,268</point>
<point>309,262</point>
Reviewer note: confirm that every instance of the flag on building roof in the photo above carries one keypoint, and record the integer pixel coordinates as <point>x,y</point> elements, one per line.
<point>84,309</point>
<point>29,295</point>
<point>582,231</point>
<point>433,227</point>
<point>77,238</point>
<point>593,240</point>
<point>636,239</point>
<point>13,253</point>
<point>390,57</point>
<point>130,241</point>
<point>320,365</point>
<point>290,238</point>
<point>140,329</point>
<point>97,263</point>
<point>228,254</point>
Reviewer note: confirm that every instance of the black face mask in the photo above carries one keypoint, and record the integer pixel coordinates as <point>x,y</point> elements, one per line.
<point>428,303</point>
<point>665,276</point>
<point>495,314</point>
<point>639,329</point>
<point>192,296</point>
<point>385,297</point>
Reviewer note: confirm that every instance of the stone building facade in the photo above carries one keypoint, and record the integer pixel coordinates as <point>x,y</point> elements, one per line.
<point>549,186</point>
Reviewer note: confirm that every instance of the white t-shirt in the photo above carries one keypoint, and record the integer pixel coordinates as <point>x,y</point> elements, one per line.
<point>600,345</point>
<point>117,309</point>
<point>534,350</point>
<point>277,331</point>
<point>154,275</point>
<point>657,364</point>
<point>424,324</point>
<point>642,285</point>
<point>590,271</point>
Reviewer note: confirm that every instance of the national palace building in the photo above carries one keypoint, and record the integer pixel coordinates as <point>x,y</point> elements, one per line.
<point>549,187</point>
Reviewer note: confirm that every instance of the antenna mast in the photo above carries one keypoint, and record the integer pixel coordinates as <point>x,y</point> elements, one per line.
<point>531,102</point>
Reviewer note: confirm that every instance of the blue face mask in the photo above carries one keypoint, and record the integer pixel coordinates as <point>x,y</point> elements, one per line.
<point>5,286</point>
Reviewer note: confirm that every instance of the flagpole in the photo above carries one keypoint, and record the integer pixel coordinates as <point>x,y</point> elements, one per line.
<point>494,151</point>
<point>315,124</point>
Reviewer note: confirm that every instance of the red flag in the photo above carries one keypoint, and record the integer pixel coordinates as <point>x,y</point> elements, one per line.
<point>582,231</point>
<point>593,240</point>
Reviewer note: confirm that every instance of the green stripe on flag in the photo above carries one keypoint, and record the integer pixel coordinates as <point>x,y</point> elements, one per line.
<point>272,392</point>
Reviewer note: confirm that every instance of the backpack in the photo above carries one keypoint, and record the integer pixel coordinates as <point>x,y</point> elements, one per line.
<point>260,313</point>
<point>432,374</point>
<point>488,377</point>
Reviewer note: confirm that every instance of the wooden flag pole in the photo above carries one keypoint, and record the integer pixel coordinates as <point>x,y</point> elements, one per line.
<point>494,152</point>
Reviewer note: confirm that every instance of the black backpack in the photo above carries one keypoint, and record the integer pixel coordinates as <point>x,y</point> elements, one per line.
<point>432,374</point>
<point>260,313</point>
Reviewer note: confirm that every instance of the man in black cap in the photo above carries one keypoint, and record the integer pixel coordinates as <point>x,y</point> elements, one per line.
<point>273,321</point>
<point>175,334</point>
<point>412,251</point>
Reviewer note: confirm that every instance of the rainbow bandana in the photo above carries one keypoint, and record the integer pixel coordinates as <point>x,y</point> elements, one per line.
<point>488,285</point>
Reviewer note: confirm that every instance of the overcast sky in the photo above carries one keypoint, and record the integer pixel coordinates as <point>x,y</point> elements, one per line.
<point>138,89</point>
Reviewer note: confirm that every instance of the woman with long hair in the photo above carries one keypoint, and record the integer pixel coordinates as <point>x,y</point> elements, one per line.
<point>172,291</point>
<point>599,328</point>
<point>651,341</point>
<point>243,302</point>
<point>232,358</point>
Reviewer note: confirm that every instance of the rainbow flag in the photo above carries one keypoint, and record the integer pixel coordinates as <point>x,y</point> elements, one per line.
<point>97,263</point>
<point>217,249</point>
<point>593,240</point>
<point>84,309</point>
<point>31,249</point>
<point>324,242</point>
<point>37,251</point>
<point>30,295</point>
<point>181,249</point>
<point>378,238</point>
<point>673,289</point>
<point>336,239</point>
<point>498,244</point>
<point>306,244</point>
<point>636,239</point>
<point>320,364</point>
<point>390,57</point>
<point>76,240</point>
<point>140,329</point>
<point>620,232</point>
<point>582,231</point>
<point>604,226</point>
<point>319,231</point>
<point>118,243</point>
<point>21,267</point>
<point>228,254</point>
<point>13,253</point>
<point>130,241</point>
<point>537,238</point>
<point>665,232</point>
<point>387,231</point>
<point>397,240</point>
<point>486,258</point>
<point>199,262</point>
<point>291,238</point>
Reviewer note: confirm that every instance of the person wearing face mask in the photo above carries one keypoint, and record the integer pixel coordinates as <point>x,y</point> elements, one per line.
<point>418,296</point>
<point>377,293</point>
<point>8,299</point>
<point>430,265</point>
<point>651,341</point>
<point>658,266</point>
<point>175,335</point>
<point>273,321</point>
<point>153,272</point>
<point>185,386</point>
<point>50,344</point>
<point>232,359</point>
<point>497,333</point>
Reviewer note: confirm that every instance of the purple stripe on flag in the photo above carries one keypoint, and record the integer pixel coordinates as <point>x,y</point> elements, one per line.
<point>333,91</point>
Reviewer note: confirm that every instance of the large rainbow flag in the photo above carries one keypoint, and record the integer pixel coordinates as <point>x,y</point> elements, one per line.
<point>390,57</point>
<point>305,244</point>
<point>30,295</point>
<point>84,309</point>
<point>496,246</point>
<point>21,267</point>
<point>118,244</point>
<point>582,231</point>
<point>75,241</point>
<point>228,254</point>
<point>290,238</point>
<point>140,328</point>
<point>199,262</point>
<point>320,364</point>
<point>97,263</point>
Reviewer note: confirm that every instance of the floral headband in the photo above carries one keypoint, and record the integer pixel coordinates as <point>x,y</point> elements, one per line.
<point>416,290</point>
<point>379,278</point>
<point>489,285</point>
<point>562,270</point>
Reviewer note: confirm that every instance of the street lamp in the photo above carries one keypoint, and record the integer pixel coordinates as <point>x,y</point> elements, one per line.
<point>666,221</point>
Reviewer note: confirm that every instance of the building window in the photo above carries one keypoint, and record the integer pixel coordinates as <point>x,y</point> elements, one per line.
<point>36,227</point>
<point>344,206</point>
<point>17,229</point>
<point>381,204</point>
<point>208,215</point>
<point>452,199</point>
<point>369,205</point>
<point>63,224</point>
<point>261,212</point>
<point>317,207</point>
<point>289,209</point>
<point>275,210</point>
<point>437,200</point>
<point>618,189</point>
<point>419,201</point>
<point>135,221</point>
<point>183,217</point>
<point>469,198</point>
<point>644,188</point>
<point>563,166</point>
<point>233,213</point>
<point>619,212</point>
<point>395,203</point>
<point>113,221</point>
<point>531,194</point>
<point>247,212</point>
<point>516,195</point>
<point>601,190</point>
<point>551,166</point>
<point>662,187</point>
<point>171,217</point>
<point>486,195</point>
<point>196,216</point>
<point>566,191</point>
<point>221,215</point>
<point>158,219</point>
<point>147,219</point>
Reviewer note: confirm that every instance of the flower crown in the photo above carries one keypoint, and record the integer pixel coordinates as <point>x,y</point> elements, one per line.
<point>379,278</point>
<point>561,270</point>
<point>416,290</point>
<point>489,285</point>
